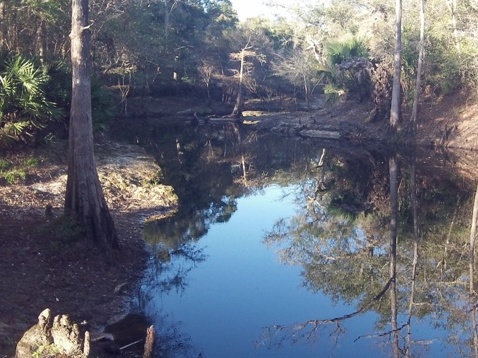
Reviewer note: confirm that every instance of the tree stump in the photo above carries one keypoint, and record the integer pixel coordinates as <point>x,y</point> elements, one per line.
<point>149,343</point>
<point>51,336</point>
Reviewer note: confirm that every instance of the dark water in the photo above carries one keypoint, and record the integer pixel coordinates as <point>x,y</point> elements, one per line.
<point>292,248</point>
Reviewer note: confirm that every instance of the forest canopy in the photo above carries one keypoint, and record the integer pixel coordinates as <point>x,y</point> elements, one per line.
<point>332,49</point>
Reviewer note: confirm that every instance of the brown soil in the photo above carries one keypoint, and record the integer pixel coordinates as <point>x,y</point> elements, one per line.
<point>42,266</point>
<point>45,266</point>
<point>445,122</point>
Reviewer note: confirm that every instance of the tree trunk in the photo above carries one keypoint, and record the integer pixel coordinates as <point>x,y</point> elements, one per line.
<point>421,55</point>
<point>237,111</point>
<point>306,90</point>
<point>2,25</point>
<point>84,200</point>
<point>41,42</point>
<point>169,8</point>
<point>452,6</point>
<point>397,67</point>
<point>166,20</point>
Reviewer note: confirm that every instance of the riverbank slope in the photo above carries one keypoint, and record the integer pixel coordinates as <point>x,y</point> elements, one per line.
<point>46,265</point>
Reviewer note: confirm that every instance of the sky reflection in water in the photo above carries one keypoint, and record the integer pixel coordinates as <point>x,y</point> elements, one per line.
<point>242,287</point>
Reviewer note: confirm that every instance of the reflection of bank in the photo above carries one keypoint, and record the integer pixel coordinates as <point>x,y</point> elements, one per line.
<point>174,254</point>
<point>416,239</point>
<point>413,298</point>
<point>342,238</point>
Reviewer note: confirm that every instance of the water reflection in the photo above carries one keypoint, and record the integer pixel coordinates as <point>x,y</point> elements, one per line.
<point>344,253</point>
<point>381,239</point>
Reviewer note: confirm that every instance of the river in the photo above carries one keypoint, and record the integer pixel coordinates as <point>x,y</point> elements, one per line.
<point>287,247</point>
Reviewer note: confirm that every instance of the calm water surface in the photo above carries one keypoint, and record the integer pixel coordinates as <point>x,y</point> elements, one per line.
<point>286,248</point>
<point>243,287</point>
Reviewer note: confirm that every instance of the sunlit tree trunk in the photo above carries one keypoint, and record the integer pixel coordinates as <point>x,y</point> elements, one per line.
<point>2,25</point>
<point>41,42</point>
<point>238,107</point>
<point>421,56</point>
<point>397,67</point>
<point>84,200</point>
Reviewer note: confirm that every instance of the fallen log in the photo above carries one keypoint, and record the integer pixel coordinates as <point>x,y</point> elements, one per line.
<point>317,133</point>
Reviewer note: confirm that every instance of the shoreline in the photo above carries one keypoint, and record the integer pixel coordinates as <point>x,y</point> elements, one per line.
<point>41,269</point>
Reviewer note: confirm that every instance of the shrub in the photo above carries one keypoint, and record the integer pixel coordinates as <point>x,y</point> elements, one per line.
<point>342,51</point>
<point>23,105</point>
<point>349,68</point>
<point>448,69</point>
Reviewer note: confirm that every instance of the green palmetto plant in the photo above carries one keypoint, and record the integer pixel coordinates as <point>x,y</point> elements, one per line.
<point>347,69</point>
<point>24,107</point>
<point>341,51</point>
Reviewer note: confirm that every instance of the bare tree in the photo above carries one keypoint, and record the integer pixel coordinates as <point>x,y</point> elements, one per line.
<point>84,199</point>
<point>206,72</point>
<point>169,5</point>
<point>421,55</point>
<point>397,68</point>
<point>452,6</point>
<point>241,56</point>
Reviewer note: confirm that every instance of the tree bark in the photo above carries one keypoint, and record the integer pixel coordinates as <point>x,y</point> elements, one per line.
<point>84,199</point>
<point>238,107</point>
<point>421,56</point>
<point>2,25</point>
<point>397,67</point>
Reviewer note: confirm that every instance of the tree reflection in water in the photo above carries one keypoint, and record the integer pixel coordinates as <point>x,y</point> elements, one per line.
<point>342,248</point>
<point>340,237</point>
<point>168,270</point>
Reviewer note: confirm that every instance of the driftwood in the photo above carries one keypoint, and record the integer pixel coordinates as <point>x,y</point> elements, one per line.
<point>315,133</point>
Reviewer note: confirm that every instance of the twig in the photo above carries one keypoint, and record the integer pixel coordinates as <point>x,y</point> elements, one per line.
<point>131,344</point>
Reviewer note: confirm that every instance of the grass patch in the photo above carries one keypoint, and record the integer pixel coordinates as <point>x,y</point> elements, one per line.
<point>14,176</point>
<point>15,171</point>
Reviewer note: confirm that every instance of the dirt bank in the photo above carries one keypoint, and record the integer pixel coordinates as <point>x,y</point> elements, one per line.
<point>43,266</point>
<point>446,122</point>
